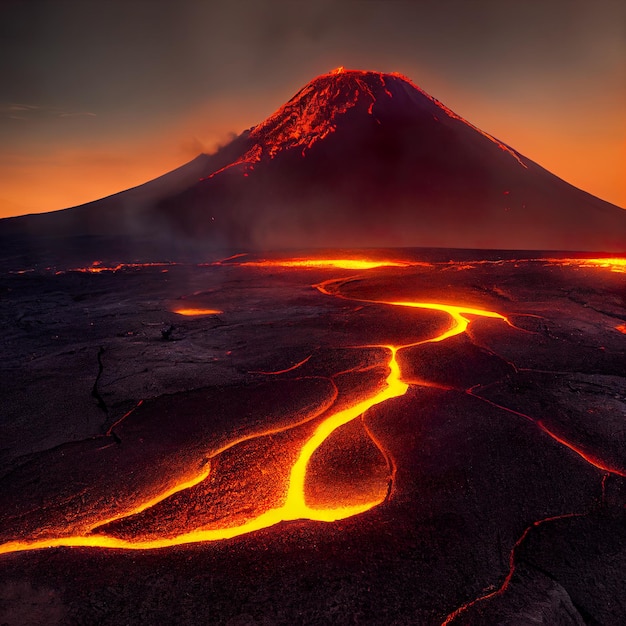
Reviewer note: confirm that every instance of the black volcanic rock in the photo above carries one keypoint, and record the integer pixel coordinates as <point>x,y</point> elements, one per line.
<point>355,159</point>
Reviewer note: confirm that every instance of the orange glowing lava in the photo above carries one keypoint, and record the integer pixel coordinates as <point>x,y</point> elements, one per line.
<point>191,312</point>
<point>294,505</point>
<point>591,459</point>
<point>295,366</point>
<point>615,264</point>
<point>97,267</point>
<point>621,328</point>
<point>586,456</point>
<point>346,264</point>
<point>457,313</point>
<point>310,116</point>
<point>509,577</point>
<point>314,113</point>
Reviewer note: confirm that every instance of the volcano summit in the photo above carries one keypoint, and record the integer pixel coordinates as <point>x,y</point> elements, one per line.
<point>354,159</point>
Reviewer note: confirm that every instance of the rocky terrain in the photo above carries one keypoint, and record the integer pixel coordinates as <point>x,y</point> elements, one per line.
<point>495,475</point>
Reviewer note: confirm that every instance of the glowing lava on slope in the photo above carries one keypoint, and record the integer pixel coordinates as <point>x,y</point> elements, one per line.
<point>314,112</point>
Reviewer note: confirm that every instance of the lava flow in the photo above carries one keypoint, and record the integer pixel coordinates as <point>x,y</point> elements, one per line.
<point>294,505</point>
<point>346,264</point>
<point>98,267</point>
<point>293,508</point>
<point>195,311</point>
<point>615,264</point>
<point>512,567</point>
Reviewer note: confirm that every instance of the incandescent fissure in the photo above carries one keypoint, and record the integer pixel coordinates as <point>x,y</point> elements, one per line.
<point>293,504</point>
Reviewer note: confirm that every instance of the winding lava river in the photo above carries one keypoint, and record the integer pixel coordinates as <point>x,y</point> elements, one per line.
<point>294,505</point>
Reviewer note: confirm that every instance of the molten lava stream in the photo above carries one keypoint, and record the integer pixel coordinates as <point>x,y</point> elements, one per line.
<point>615,264</point>
<point>195,311</point>
<point>346,264</point>
<point>294,505</point>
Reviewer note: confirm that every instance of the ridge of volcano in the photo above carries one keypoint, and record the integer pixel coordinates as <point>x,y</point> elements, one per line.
<point>355,159</point>
<point>317,109</point>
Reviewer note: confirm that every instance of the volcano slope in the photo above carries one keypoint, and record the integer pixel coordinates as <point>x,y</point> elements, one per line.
<point>354,159</point>
<point>486,487</point>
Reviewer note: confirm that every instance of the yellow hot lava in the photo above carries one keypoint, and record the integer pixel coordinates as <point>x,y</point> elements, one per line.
<point>457,313</point>
<point>615,264</point>
<point>346,264</point>
<point>191,311</point>
<point>294,506</point>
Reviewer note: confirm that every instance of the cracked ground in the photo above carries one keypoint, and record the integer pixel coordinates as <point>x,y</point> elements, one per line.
<point>498,475</point>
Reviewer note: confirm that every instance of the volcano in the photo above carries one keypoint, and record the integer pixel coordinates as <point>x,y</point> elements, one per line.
<point>393,435</point>
<point>354,159</point>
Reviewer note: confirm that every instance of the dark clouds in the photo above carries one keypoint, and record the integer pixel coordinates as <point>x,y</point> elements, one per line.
<point>125,53</point>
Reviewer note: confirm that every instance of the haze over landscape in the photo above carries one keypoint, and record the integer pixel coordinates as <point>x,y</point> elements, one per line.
<point>100,97</point>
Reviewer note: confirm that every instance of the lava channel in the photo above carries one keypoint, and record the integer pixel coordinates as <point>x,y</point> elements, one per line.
<point>294,505</point>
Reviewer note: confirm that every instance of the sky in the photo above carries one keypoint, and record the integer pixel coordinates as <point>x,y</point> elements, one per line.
<point>99,96</point>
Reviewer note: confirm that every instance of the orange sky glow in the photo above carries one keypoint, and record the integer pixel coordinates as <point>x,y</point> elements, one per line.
<point>83,118</point>
<point>591,156</point>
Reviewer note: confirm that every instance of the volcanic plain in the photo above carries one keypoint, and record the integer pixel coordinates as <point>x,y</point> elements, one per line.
<point>153,415</point>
